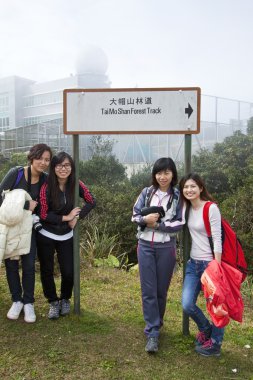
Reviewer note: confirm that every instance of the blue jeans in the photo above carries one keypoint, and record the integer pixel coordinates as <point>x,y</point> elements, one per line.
<point>191,290</point>
<point>156,265</point>
<point>22,292</point>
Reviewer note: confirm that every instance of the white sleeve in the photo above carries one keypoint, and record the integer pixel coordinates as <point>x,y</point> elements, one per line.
<point>215,223</point>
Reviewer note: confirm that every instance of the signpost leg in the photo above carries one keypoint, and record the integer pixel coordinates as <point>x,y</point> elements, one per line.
<point>186,237</point>
<point>76,244</point>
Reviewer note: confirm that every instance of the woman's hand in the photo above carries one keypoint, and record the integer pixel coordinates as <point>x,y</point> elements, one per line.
<point>151,219</point>
<point>217,257</point>
<point>32,205</point>
<point>72,215</point>
<point>72,223</point>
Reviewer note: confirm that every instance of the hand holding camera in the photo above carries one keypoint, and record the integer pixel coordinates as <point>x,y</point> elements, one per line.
<point>152,215</point>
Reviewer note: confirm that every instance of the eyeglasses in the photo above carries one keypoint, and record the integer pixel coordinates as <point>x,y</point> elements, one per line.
<point>61,166</point>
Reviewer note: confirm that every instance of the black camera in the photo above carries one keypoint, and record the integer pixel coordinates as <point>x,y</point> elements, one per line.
<point>36,223</point>
<point>152,210</point>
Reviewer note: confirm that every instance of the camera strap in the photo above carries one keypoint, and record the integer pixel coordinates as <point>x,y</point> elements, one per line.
<point>151,191</point>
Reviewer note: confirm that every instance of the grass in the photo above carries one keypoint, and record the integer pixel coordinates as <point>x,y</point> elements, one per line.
<point>106,341</point>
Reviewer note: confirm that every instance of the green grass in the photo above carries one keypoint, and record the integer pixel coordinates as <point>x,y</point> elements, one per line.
<point>107,342</point>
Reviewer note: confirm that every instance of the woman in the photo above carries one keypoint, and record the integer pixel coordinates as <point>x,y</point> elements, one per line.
<point>157,244</point>
<point>29,178</point>
<point>58,217</point>
<point>194,192</point>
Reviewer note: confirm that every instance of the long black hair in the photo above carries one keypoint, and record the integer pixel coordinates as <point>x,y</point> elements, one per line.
<point>53,184</point>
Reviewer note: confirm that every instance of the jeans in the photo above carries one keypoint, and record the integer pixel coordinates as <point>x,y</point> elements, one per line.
<point>22,292</point>
<point>191,290</point>
<point>64,249</point>
<point>156,266</point>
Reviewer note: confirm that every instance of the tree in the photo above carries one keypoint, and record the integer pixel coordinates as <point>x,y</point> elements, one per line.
<point>102,171</point>
<point>206,164</point>
<point>16,159</point>
<point>100,146</point>
<point>142,178</point>
<point>250,127</point>
<point>232,158</point>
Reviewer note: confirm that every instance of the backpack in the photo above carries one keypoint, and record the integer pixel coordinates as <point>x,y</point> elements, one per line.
<point>232,252</point>
<point>149,194</point>
<point>19,176</point>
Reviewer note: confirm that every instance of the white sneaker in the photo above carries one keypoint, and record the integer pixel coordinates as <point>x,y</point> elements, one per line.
<point>15,310</point>
<point>30,316</point>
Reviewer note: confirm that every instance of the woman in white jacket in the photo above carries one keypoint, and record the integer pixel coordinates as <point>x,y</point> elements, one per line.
<point>29,178</point>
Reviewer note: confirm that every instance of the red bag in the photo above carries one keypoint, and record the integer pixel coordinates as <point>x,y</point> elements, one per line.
<point>232,252</point>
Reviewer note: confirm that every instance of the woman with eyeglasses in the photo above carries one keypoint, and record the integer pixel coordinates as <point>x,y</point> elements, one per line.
<point>58,216</point>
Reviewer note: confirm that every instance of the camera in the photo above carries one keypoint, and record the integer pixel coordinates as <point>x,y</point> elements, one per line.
<point>36,223</point>
<point>152,210</point>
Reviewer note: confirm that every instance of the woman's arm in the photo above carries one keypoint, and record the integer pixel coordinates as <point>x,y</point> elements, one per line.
<point>88,198</point>
<point>8,181</point>
<point>215,224</point>
<point>139,204</point>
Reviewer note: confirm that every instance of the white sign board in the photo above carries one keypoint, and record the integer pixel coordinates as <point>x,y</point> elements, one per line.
<point>132,111</point>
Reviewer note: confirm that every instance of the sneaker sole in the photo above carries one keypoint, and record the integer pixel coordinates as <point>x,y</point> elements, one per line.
<point>207,355</point>
<point>30,321</point>
<point>12,318</point>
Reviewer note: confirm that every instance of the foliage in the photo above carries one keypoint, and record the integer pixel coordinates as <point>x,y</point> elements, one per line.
<point>103,171</point>
<point>141,178</point>
<point>110,262</point>
<point>226,167</point>
<point>100,146</point>
<point>250,126</point>
<point>207,165</point>
<point>233,155</point>
<point>16,159</point>
<point>106,340</point>
<point>113,213</point>
<point>236,209</point>
<point>99,245</point>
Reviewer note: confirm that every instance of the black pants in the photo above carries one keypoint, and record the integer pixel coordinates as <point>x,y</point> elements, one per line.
<point>46,248</point>
<point>22,290</point>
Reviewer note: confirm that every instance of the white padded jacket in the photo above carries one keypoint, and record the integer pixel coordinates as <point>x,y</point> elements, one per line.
<point>15,225</point>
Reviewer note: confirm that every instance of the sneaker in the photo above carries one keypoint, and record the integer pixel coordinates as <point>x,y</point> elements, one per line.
<point>152,345</point>
<point>15,310</point>
<point>54,310</point>
<point>209,348</point>
<point>65,307</point>
<point>30,316</point>
<point>202,337</point>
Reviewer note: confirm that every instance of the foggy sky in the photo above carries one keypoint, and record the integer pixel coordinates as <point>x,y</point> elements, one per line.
<point>148,43</point>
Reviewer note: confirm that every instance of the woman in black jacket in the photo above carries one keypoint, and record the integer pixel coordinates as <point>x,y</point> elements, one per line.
<point>29,178</point>
<point>59,216</point>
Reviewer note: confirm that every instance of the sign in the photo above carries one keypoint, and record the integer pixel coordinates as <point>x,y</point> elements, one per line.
<point>131,111</point>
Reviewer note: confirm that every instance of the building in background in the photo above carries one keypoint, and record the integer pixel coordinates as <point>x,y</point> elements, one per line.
<point>32,112</point>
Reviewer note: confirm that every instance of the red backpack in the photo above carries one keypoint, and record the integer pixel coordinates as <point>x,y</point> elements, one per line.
<point>232,252</point>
